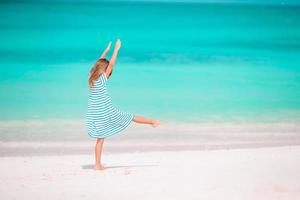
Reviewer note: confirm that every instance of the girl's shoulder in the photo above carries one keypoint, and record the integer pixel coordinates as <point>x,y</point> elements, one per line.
<point>102,79</point>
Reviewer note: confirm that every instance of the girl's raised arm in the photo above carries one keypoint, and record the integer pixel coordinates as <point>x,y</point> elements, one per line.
<point>113,58</point>
<point>105,50</point>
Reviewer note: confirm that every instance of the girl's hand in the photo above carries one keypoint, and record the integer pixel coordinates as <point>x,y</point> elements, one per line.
<point>105,50</point>
<point>118,44</point>
<point>108,46</point>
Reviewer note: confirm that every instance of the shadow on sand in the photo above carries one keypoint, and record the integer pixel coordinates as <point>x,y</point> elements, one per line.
<point>91,166</point>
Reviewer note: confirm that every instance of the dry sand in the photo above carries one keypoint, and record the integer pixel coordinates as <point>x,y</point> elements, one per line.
<point>255,173</point>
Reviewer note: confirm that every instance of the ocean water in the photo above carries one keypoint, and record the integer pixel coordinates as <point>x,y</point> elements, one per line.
<point>187,62</point>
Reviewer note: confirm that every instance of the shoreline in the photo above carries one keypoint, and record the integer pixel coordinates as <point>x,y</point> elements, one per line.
<point>75,130</point>
<point>70,137</point>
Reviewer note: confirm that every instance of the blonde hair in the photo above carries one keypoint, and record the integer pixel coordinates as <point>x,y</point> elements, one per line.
<point>99,67</point>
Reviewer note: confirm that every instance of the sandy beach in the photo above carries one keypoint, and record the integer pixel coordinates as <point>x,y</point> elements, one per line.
<point>254,173</point>
<point>223,74</point>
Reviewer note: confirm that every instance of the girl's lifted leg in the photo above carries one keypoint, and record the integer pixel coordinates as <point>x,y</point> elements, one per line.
<point>98,153</point>
<point>144,120</point>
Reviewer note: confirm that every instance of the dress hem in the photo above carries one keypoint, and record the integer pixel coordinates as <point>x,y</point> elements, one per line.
<point>114,132</point>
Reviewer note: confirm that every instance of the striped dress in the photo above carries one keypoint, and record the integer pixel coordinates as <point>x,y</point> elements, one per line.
<point>102,118</point>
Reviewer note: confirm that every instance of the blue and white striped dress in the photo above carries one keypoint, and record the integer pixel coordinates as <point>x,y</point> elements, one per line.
<point>102,118</point>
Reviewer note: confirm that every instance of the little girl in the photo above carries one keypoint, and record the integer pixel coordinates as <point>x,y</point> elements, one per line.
<point>103,119</point>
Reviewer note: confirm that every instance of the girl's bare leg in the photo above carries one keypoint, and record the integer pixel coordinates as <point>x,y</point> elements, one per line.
<point>144,120</point>
<point>98,153</point>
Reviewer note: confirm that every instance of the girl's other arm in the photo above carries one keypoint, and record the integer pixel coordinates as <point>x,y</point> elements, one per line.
<point>113,58</point>
<point>105,50</point>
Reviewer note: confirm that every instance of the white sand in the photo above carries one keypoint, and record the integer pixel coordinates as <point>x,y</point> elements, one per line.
<point>262,173</point>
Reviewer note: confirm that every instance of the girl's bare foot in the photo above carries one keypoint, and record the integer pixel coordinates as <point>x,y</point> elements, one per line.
<point>156,123</point>
<point>99,167</point>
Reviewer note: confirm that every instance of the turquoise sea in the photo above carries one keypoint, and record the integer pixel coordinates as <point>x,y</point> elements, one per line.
<point>185,62</point>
